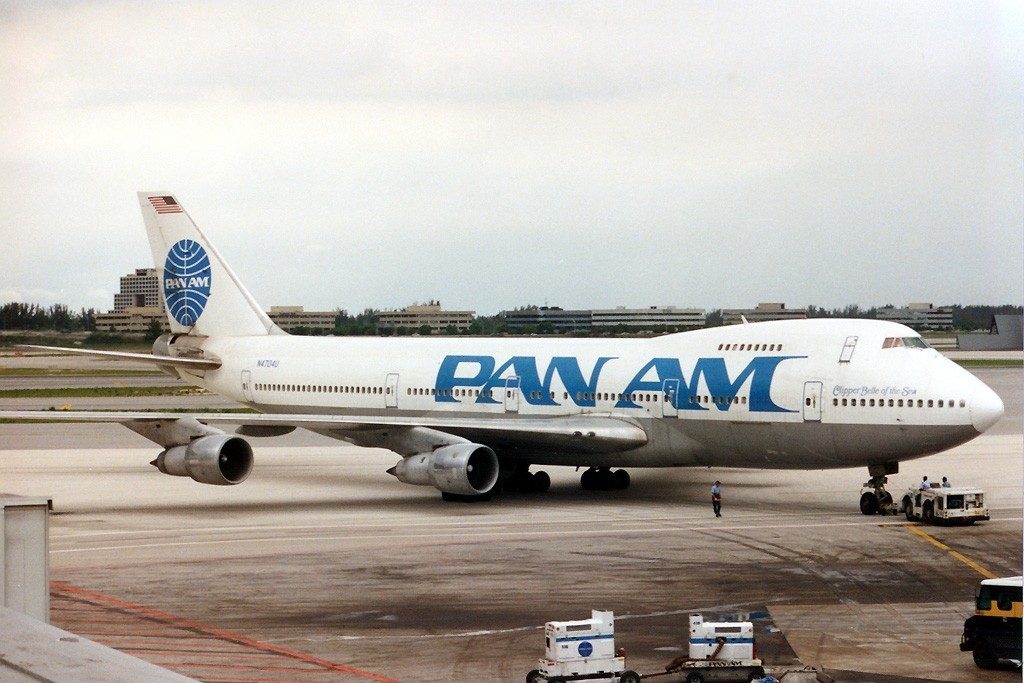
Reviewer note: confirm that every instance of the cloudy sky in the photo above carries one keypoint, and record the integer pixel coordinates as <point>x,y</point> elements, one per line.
<point>492,155</point>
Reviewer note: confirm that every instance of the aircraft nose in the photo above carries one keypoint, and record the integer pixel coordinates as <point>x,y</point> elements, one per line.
<point>986,408</point>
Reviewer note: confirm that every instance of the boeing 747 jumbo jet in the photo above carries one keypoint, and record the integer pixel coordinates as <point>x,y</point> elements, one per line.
<point>470,416</point>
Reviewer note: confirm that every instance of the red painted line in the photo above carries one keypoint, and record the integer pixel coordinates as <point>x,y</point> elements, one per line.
<point>168,651</point>
<point>201,665</point>
<point>235,679</point>
<point>61,587</point>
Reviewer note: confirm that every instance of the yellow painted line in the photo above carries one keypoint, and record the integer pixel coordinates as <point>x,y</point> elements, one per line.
<point>942,546</point>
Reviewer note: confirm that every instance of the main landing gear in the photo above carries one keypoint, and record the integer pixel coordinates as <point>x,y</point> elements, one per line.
<point>874,499</point>
<point>604,479</point>
<point>522,480</point>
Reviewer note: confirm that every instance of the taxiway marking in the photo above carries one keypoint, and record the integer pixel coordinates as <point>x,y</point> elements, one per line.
<point>463,534</point>
<point>959,556</point>
<point>61,589</point>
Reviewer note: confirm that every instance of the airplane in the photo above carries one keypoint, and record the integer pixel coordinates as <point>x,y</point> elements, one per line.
<point>470,416</point>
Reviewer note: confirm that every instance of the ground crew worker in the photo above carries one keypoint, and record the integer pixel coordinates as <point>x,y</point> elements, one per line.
<point>716,498</point>
<point>946,484</point>
<point>924,484</point>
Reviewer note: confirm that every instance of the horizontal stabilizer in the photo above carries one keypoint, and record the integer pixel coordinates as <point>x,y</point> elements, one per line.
<point>169,361</point>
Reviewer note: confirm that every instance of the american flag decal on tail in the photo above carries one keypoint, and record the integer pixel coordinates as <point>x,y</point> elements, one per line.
<point>165,205</point>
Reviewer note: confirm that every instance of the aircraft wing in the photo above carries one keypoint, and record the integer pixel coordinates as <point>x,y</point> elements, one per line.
<point>187,363</point>
<point>580,433</point>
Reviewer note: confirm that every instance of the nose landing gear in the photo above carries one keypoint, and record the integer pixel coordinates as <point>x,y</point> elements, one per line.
<point>874,499</point>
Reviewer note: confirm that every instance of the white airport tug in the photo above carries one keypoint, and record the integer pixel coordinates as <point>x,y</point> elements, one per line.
<point>585,651</point>
<point>955,505</point>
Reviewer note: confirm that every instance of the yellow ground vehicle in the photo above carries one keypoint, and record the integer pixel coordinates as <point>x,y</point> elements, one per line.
<point>993,634</point>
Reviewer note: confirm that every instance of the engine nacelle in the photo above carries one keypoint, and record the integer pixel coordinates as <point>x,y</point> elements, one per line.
<point>467,469</point>
<point>220,459</point>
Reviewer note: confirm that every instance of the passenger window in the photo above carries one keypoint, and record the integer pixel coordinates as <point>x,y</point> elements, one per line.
<point>931,403</point>
<point>780,347</point>
<point>941,403</point>
<point>962,403</point>
<point>890,403</point>
<point>899,403</point>
<point>871,403</point>
<point>720,346</point>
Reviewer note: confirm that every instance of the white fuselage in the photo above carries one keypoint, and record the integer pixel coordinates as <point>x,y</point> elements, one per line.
<point>788,394</point>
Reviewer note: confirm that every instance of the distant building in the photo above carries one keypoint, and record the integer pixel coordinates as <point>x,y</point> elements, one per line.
<point>648,318</point>
<point>918,316</point>
<point>292,318</point>
<point>1005,334</point>
<point>763,312</point>
<point>559,320</point>
<point>133,320</point>
<point>140,289</point>
<point>431,315</point>
<point>137,305</point>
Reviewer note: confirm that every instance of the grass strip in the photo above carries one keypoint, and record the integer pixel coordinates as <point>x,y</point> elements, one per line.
<point>75,372</point>
<point>989,362</point>
<point>102,392</point>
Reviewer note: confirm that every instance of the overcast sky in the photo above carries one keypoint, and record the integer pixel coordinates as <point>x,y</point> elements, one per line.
<point>492,155</point>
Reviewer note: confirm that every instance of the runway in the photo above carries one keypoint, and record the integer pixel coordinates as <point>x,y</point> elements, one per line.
<point>322,554</point>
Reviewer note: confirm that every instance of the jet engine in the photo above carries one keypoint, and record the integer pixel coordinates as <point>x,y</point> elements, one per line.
<point>467,469</point>
<point>220,459</point>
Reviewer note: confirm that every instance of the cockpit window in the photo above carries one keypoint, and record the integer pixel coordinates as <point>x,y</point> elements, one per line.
<point>907,342</point>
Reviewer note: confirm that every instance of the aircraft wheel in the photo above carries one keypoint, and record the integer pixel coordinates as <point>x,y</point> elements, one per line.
<point>588,480</point>
<point>908,509</point>
<point>885,502</point>
<point>534,677</point>
<point>695,677</point>
<point>540,481</point>
<point>869,504</point>
<point>620,480</point>
<point>629,677</point>
<point>757,674</point>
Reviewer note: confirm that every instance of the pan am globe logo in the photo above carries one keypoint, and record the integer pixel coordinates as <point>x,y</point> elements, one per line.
<point>186,281</point>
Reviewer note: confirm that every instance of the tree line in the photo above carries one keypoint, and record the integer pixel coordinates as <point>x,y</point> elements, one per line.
<point>58,317</point>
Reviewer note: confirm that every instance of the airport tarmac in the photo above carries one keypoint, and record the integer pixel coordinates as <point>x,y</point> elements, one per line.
<point>323,555</point>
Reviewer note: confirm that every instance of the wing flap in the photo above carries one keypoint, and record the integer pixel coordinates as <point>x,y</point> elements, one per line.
<point>580,433</point>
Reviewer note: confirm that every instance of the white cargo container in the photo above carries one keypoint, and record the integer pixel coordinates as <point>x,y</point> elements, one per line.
<point>581,649</point>
<point>720,640</point>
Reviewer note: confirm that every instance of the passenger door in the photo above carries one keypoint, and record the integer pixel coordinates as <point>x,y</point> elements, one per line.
<point>247,385</point>
<point>391,390</point>
<point>512,395</point>
<point>812,401</point>
<point>670,398</point>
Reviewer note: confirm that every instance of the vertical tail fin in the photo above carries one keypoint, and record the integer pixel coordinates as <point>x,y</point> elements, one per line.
<point>203,295</point>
